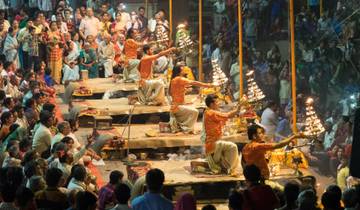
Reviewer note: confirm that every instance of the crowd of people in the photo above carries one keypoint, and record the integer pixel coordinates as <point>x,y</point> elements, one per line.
<point>45,166</point>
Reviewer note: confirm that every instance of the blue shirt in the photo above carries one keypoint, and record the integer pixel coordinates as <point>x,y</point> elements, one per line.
<point>151,201</point>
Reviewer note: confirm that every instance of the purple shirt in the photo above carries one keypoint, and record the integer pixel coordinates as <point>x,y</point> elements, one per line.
<point>106,196</point>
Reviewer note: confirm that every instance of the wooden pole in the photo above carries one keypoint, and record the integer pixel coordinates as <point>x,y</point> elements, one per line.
<point>321,7</point>
<point>171,17</point>
<point>146,8</point>
<point>241,83</point>
<point>293,67</point>
<point>200,43</point>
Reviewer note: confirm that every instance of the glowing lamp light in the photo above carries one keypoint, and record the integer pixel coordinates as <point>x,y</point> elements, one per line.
<point>313,126</point>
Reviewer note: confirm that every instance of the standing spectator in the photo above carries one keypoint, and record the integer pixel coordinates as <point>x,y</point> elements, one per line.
<point>269,119</point>
<point>153,200</point>
<point>106,193</point>
<point>55,56</point>
<point>89,25</point>
<point>307,200</point>
<point>107,55</point>
<point>11,46</point>
<point>85,200</point>
<point>350,199</point>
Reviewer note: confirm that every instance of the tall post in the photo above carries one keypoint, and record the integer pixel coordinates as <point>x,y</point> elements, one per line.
<point>321,7</point>
<point>200,43</point>
<point>293,67</point>
<point>171,18</point>
<point>146,8</point>
<point>241,83</point>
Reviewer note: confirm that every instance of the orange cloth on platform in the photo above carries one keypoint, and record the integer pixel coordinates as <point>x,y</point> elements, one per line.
<point>254,153</point>
<point>213,122</point>
<point>177,91</point>
<point>130,49</point>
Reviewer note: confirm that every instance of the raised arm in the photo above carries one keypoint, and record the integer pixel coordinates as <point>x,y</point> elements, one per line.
<point>288,140</point>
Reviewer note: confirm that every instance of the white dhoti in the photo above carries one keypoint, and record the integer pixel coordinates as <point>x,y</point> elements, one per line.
<point>152,92</point>
<point>183,119</point>
<point>108,67</point>
<point>131,72</point>
<point>225,157</point>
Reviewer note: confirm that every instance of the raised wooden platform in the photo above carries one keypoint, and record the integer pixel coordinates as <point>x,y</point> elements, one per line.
<point>178,179</point>
<point>139,140</point>
<point>120,106</point>
<point>101,85</point>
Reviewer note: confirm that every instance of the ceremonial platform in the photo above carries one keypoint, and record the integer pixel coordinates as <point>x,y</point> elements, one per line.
<point>99,86</point>
<point>180,179</point>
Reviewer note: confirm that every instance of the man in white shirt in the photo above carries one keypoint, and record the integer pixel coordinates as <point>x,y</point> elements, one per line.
<point>107,55</point>
<point>42,137</point>
<point>89,25</point>
<point>269,119</point>
<point>125,17</point>
<point>63,130</point>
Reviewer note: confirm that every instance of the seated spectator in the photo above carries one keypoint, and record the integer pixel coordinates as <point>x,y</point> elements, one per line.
<point>350,199</point>
<point>337,195</point>
<point>52,197</point>
<point>329,201</point>
<point>122,195</point>
<point>85,200</point>
<point>236,200</point>
<point>291,192</point>
<point>24,199</point>
<point>307,200</point>
<point>63,130</point>
<point>186,202</point>
<point>77,178</point>
<point>152,199</point>
<point>42,136</point>
<point>258,195</point>
<point>106,193</point>
<point>8,193</point>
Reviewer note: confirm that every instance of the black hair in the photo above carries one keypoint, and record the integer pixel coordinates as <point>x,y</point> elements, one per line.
<point>122,193</point>
<point>291,192</point>
<point>53,177</point>
<point>79,172</point>
<point>350,198</point>
<point>176,71</point>
<point>7,101</point>
<point>252,130</point>
<point>23,196</point>
<point>252,173</point>
<point>336,190</point>
<point>24,143</point>
<point>146,48</point>
<point>210,99</point>
<point>30,168</point>
<point>155,179</point>
<point>66,140</point>
<point>7,63</point>
<point>4,117</point>
<point>45,116</point>
<point>141,8</point>
<point>208,207</point>
<point>84,200</point>
<point>29,102</point>
<point>8,193</point>
<point>115,176</point>
<point>49,107</point>
<point>235,200</point>
<point>18,108</point>
<point>329,200</point>
<point>2,95</point>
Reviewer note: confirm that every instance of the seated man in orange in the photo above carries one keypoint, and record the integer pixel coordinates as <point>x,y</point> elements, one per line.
<point>182,116</point>
<point>221,155</point>
<point>131,47</point>
<point>254,152</point>
<point>151,91</point>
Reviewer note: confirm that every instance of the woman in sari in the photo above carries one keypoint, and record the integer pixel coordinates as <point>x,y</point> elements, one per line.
<point>88,60</point>
<point>11,46</point>
<point>55,52</point>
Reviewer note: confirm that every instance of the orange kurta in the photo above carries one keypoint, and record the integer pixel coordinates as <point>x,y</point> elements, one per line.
<point>254,153</point>
<point>145,66</point>
<point>130,49</point>
<point>214,122</point>
<point>177,91</point>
